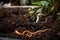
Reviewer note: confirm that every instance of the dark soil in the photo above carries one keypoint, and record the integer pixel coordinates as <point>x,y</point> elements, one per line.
<point>12,19</point>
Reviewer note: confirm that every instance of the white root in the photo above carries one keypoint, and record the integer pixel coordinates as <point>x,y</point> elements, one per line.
<point>38,15</point>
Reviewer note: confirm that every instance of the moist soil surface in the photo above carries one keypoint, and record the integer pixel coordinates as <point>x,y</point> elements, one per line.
<point>15,19</point>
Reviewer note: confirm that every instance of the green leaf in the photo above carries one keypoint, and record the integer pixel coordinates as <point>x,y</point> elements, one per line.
<point>44,3</point>
<point>36,3</point>
<point>39,10</point>
<point>58,14</point>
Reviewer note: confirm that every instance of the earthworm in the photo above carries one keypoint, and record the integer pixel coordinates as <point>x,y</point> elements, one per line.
<point>29,33</point>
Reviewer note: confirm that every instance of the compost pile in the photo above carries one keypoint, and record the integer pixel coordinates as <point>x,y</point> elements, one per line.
<point>15,23</point>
